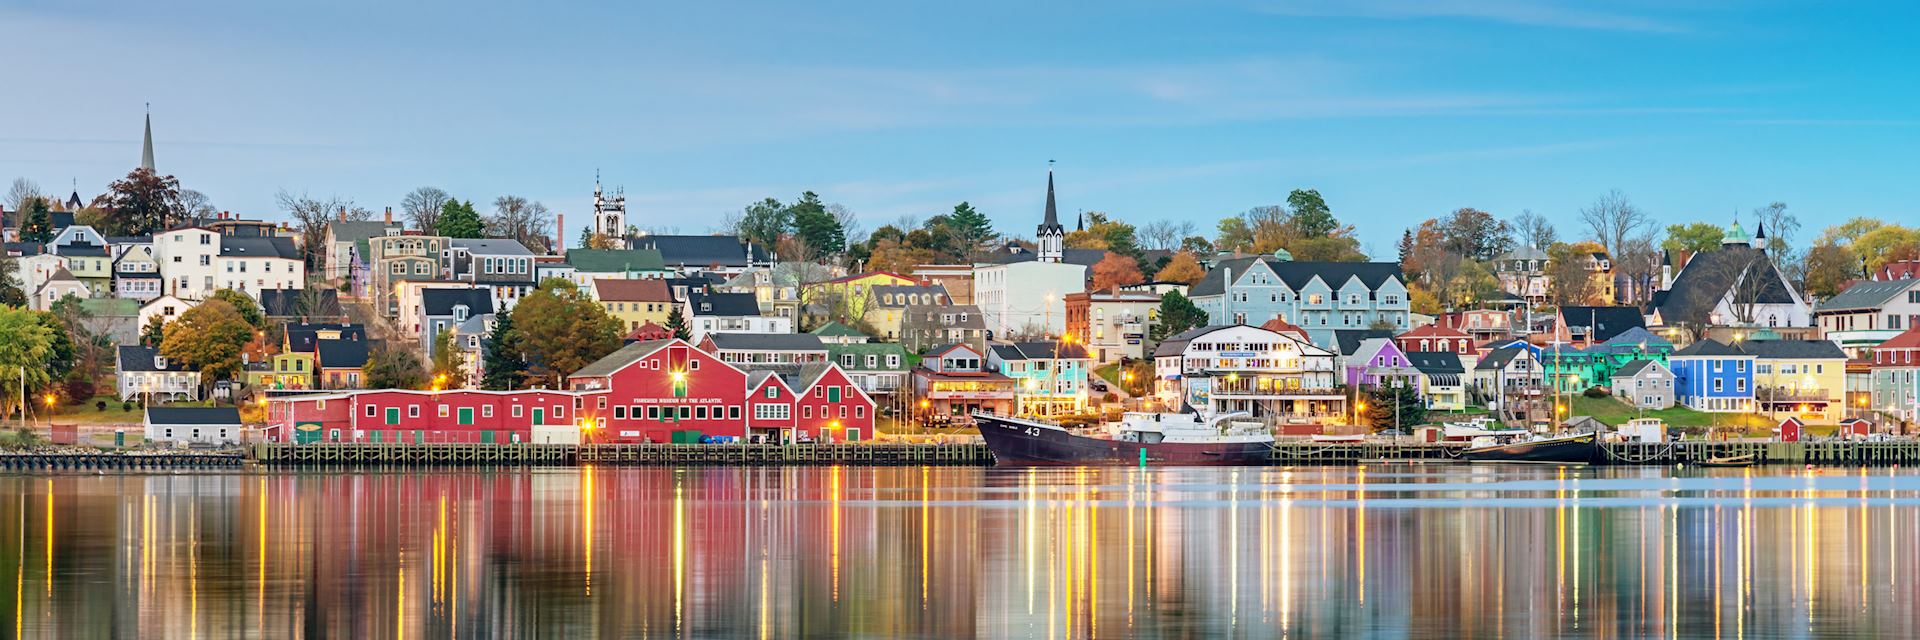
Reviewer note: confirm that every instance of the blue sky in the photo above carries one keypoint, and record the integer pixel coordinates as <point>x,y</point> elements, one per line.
<point>1396,110</point>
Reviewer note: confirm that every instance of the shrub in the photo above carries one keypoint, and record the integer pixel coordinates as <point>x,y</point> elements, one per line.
<point>1596,392</point>
<point>78,389</point>
<point>100,405</point>
<point>127,407</point>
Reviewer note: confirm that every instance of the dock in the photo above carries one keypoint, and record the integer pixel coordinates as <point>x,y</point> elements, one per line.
<point>278,454</point>
<point>108,461</point>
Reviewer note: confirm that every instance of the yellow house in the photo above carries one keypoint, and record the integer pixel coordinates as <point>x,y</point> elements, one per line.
<point>886,304</point>
<point>851,293</point>
<point>634,302</point>
<point>1804,378</point>
<point>284,371</point>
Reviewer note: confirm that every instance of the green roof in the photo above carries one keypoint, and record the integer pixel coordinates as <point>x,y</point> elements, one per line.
<point>615,260</point>
<point>837,330</point>
<point>861,350</point>
<point>111,307</point>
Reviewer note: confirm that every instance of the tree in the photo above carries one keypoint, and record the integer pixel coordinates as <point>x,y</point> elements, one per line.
<point>154,333</point>
<point>969,228</point>
<point>1311,216</point>
<point>1780,227</point>
<point>763,223</point>
<point>523,221</point>
<point>459,220</point>
<point>1115,271</point>
<point>446,362</point>
<point>813,224</point>
<point>311,215</point>
<point>1183,268</point>
<point>1389,406</point>
<point>892,255</point>
<point>1612,219</point>
<point>423,206</point>
<point>209,337</point>
<point>25,347</point>
<point>37,224</point>
<point>390,368</point>
<point>1886,243</point>
<point>1233,235</point>
<point>560,330</point>
<point>1106,234</point>
<point>1177,314</point>
<point>244,305</point>
<point>10,292</point>
<point>140,204</point>
<point>677,323</point>
<point>1569,276</point>
<point>1196,244</point>
<point>1829,268</point>
<point>1534,230</point>
<point>1477,234</point>
<point>194,204</point>
<point>22,193</point>
<point>502,366</point>
<point>1684,240</point>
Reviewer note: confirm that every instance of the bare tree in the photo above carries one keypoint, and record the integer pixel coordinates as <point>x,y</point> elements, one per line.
<point>422,207</point>
<point>1534,230</point>
<point>1160,235</point>
<point>23,192</point>
<point>521,220</point>
<point>1780,226</point>
<point>850,225</point>
<point>197,204</point>
<point>311,216</point>
<point>1639,261</point>
<point>1612,219</point>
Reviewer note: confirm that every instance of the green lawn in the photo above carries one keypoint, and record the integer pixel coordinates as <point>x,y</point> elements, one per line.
<point>1109,373</point>
<point>85,413</point>
<point>1614,412</point>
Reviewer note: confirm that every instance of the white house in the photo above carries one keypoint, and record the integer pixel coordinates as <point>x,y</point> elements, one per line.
<point>729,312</point>
<point>1278,377</point>
<point>167,308</point>
<point>186,256</point>
<point>136,275</point>
<point>194,425</point>
<point>1026,298</point>
<point>144,373</point>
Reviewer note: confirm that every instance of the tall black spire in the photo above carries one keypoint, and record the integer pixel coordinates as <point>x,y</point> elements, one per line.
<point>1051,237</point>
<point>1053,214</point>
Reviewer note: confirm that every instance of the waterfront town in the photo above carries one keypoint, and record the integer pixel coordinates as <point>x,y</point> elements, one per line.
<point>146,309</point>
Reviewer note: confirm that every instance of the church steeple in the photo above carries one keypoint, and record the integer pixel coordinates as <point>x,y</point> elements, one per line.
<point>146,145</point>
<point>1051,236</point>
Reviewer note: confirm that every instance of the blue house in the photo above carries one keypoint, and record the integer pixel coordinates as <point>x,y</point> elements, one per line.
<point>1319,297</point>
<point>1713,376</point>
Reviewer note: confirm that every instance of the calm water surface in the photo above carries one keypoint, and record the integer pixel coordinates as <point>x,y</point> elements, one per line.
<point>1450,551</point>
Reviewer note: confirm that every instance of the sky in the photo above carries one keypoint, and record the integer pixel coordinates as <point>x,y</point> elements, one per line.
<point>1395,110</point>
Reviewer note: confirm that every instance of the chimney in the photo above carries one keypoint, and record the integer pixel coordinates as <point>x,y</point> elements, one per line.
<point>560,233</point>
<point>343,214</point>
<point>389,215</point>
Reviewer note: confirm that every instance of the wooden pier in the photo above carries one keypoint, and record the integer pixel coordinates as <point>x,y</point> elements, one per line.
<point>620,454</point>
<point>104,461</point>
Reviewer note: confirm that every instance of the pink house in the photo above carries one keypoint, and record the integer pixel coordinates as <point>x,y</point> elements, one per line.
<point>1378,361</point>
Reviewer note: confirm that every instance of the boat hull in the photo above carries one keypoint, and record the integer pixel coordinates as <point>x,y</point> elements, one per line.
<point>1575,450</point>
<point>1016,443</point>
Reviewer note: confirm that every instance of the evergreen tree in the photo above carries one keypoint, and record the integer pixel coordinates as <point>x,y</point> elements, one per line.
<point>10,292</point>
<point>37,224</point>
<point>817,226</point>
<point>1390,406</point>
<point>677,323</point>
<point>1177,314</point>
<point>446,361</point>
<point>154,333</point>
<point>970,228</point>
<point>460,220</point>
<point>502,365</point>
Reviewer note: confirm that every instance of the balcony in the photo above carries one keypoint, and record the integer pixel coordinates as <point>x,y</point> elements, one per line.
<point>1792,394</point>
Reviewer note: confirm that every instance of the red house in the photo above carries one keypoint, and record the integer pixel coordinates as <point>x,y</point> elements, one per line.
<point>405,416</point>
<point>1434,337</point>
<point>648,390</point>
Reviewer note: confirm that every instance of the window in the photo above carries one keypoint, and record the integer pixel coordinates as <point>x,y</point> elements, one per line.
<point>807,412</point>
<point>443,410</point>
<point>413,411</point>
<point>516,411</point>
<point>733,412</point>
<point>860,411</point>
<point>619,413</point>
<point>372,411</point>
<point>772,412</point>
<point>603,402</point>
<point>653,412</point>
<point>559,411</point>
<point>700,412</point>
<point>486,411</point>
<point>773,391</point>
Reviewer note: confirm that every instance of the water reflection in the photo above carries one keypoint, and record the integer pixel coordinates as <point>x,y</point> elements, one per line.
<point>952,553</point>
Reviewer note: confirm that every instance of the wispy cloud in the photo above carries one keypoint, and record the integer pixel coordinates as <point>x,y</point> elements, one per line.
<point>1535,13</point>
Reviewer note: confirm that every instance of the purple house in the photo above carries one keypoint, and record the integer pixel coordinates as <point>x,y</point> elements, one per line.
<point>1377,361</point>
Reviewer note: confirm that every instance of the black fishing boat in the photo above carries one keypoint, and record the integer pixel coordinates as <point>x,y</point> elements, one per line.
<point>1575,449</point>
<point>1138,439</point>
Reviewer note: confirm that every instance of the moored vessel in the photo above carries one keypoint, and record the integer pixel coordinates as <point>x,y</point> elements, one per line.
<point>1139,438</point>
<point>1583,448</point>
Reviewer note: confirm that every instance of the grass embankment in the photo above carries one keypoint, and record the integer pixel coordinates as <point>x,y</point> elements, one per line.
<point>1614,412</point>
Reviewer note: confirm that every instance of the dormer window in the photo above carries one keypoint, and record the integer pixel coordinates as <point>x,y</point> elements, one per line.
<point>459,313</point>
<point>159,362</point>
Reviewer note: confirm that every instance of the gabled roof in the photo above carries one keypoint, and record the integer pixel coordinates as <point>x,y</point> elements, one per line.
<point>138,358</point>
<point>1794,349</point>
<point>701,251</point>
<point>897,295</point>
<point>869,274</point>
<point>302,336</point>
<point>723,304</point>
<point>440,302</point>
<point>807,375</point>
<point>1909,339</point>
<point>1435,362</point>
<point>243,247</point>
<point>210,416</point>
<point>614,260</point>
<point>1433,331</point>
<point>1634,368</point>
<point>623,290</point>
<point>1866,295</point>
<point>862,349</point>
<point>1348,340</point>
<point>1710,275</point>
<point>1709,348</point>
<point>1498,359</point>
<point>1603,322</point>
<point>1637,336</point>
<point>1081,257</point>
<point>342,354</point>
<point>1277,325</point>
<point>1038,350</point>
<point>649,331</point>
<point>1371,346</point>
<point>1296,275</point>
<point>836,330</point>
<point>358,230</point>
<point>491,246</point>
<point>621,358</point>
<point>766,341</point>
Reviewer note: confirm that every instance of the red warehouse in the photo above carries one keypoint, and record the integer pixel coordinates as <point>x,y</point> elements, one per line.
<point>646,391</point>
<point>396,416</point>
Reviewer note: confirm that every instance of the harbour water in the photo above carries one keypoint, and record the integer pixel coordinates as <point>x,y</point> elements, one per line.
<point>960,552</point>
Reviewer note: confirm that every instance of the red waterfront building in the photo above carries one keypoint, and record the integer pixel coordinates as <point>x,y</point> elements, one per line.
<point>645,392</point>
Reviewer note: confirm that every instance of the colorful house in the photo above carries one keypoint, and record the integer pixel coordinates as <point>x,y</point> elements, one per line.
<point>1896,376</point>
<point>1051,376</point>
<point>848,296</point>
<point>417,417</point>
<point>1713,376</point>
<point>653,391</point>
<point>1628,346</point>
<point>1434,337</point>
<point>634,303</point>
<point>1569,369</point>
<point>954,381</point>
<point>1804,378</point>
<point>1377,361</point>
<point>1645,384</point>
<point>1443,384</point>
